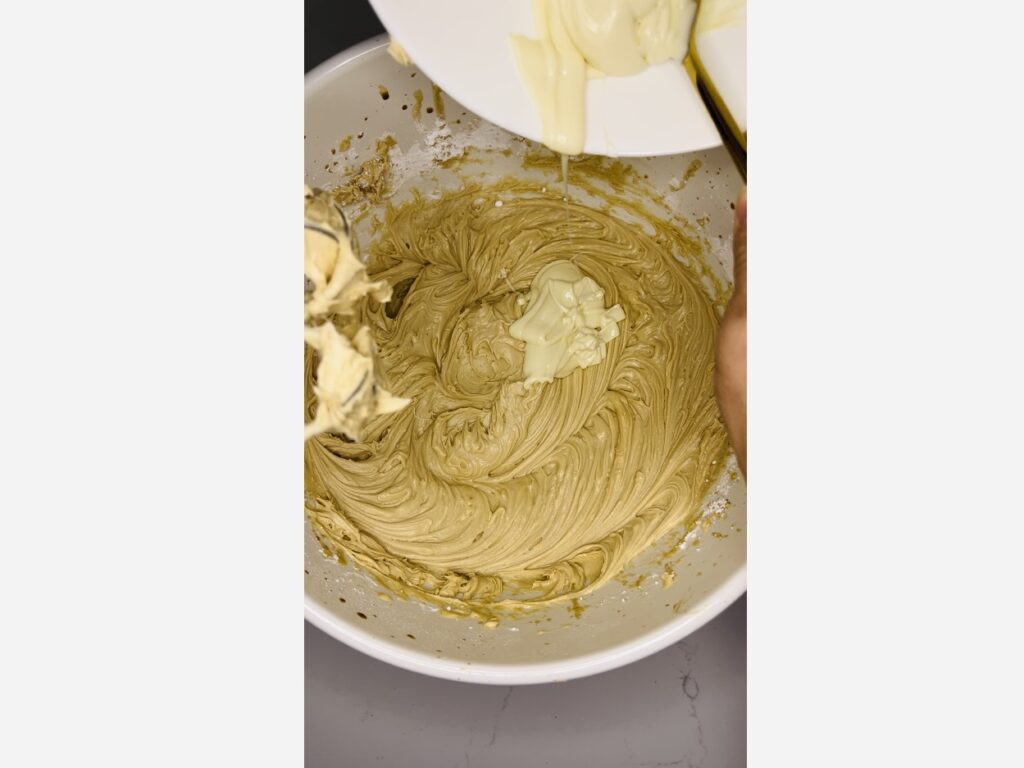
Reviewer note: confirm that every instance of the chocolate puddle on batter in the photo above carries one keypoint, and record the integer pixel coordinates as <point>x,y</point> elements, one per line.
<point>484,496</point>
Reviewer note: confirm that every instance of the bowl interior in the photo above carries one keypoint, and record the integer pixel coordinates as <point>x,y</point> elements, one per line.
<point>635,614</point>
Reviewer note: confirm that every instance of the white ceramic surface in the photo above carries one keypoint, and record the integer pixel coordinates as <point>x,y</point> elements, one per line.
<point>619,624</point>
<point>723,52</point>
<point>463,45</point>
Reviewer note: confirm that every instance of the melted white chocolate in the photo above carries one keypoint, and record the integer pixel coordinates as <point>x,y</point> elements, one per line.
<point>566,325</point>
<point>577,39</point>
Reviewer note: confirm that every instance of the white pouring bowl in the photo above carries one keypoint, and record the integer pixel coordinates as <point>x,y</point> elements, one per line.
<point>465,45</point>
<point>619,623</point>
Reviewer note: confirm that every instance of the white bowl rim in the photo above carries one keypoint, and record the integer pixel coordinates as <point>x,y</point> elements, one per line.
<point>561,670</point>
<point>649,643</point>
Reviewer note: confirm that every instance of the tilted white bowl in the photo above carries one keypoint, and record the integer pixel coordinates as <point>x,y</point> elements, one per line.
<point>619,623</point>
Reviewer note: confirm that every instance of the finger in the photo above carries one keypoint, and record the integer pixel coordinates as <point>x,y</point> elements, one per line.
<point>739,243</point>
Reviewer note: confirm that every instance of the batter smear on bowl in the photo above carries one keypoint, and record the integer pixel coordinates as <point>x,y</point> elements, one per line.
<point>488,493</point>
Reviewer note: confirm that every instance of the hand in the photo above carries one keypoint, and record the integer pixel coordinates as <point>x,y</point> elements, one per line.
<point>731,357</point>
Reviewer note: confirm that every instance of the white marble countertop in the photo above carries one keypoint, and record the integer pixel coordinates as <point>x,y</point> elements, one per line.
<point>684,706</point>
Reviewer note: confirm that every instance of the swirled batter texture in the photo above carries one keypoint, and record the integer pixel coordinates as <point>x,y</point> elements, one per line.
<point>484,494</point>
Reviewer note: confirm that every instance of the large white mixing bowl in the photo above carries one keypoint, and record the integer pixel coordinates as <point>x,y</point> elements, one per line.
<point>346,112</point>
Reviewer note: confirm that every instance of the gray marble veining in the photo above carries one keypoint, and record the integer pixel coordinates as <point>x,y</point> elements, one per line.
<point>684,706</point>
